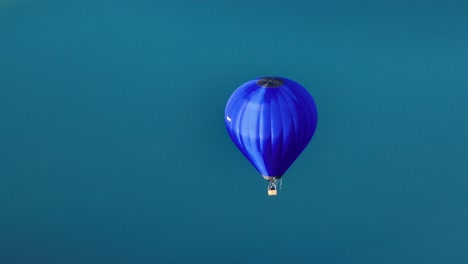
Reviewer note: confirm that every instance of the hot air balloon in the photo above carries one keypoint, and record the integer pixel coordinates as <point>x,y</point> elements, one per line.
<point>271,120</point>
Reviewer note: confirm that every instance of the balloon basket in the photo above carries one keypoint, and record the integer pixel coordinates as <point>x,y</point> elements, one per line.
<point>272,192</point>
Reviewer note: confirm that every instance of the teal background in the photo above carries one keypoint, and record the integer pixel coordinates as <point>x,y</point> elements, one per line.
<point>113,147</point>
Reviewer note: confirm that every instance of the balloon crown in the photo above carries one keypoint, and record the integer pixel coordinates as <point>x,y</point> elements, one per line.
<point>270,82</point>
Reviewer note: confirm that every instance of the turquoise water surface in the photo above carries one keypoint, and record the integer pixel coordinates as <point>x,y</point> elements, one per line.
<point>113,147</point>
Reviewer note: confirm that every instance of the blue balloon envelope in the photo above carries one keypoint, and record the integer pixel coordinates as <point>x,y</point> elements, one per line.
<point>271,120</point>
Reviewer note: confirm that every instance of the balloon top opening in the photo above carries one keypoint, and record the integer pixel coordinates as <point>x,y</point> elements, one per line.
<point>270,82</point>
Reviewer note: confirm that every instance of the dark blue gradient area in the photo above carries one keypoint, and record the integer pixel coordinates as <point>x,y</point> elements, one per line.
<point>271,126</point>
